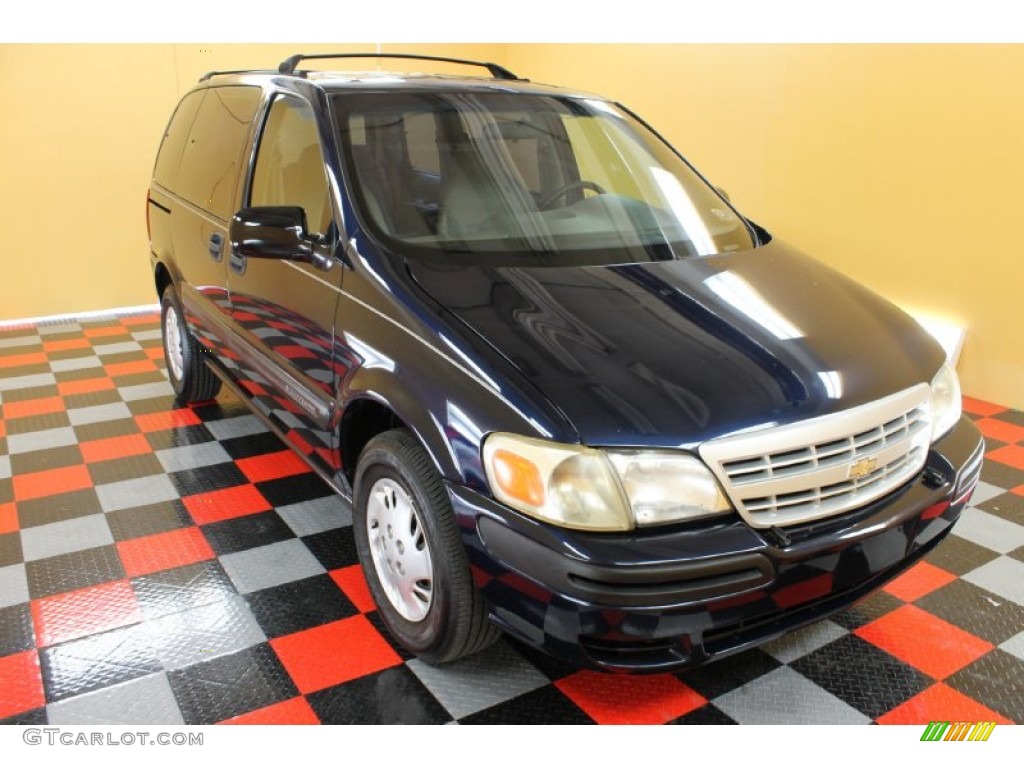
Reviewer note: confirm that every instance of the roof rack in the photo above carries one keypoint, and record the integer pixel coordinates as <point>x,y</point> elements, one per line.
<point>215,72</point>
<point>288,66</point>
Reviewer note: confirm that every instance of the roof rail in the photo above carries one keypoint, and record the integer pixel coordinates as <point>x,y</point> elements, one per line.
<point>497,71</point>
<point>215,72</point>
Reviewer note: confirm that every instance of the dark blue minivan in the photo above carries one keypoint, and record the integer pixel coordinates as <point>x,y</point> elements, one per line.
<point>570,391</point>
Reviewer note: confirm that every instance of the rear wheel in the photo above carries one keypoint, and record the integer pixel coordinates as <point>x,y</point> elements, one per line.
<point>192,380</point>
<point>409,547</point>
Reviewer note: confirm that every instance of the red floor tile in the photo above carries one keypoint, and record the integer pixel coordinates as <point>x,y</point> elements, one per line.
<point>99,384</point>
<point>1008,454</point>
<point>291,712</point>
<point>918,582</point>
<point>22,684</point>
<point>271,466</point>
<point>163,551</point>
<point>114,448</point>
<point>38,407</point>
<point>84,612</point>
<point>1019,490</point>
<point>981,407</point>
<point>1000,430</point>
<point>353,584</point>
<point>50,482</point>
<point>155,422</point>
<point>334,653</point>
<point>154,353</point>
<point>225,504</point>
<point>3,425</point>
<point>126,369</point>
<point>16,361</point>
<point>934,646</point>
<point>147,319</point>
<point>630,700</point>
<point>940,702</point>
<point>107,330</point>
<point>64,344</point>
<point>8,518</point>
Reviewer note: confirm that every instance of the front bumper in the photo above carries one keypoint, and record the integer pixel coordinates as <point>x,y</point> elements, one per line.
<point>665,599</point>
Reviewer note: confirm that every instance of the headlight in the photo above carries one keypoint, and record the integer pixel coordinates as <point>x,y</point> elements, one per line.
<point>946,401</point>
<point>588,489</point>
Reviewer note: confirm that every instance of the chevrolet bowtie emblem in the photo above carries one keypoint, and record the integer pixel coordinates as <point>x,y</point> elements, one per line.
<point>862,468</point>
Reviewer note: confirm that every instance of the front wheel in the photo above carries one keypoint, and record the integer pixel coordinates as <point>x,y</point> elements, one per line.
<point>189,375</point>
<point>409,547</point>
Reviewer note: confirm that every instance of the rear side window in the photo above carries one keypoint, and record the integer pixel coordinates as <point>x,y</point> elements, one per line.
<point>208,172</point>
<point>168,159</point>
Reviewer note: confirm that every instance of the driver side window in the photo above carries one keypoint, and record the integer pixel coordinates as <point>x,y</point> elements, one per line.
<point>289,164</point>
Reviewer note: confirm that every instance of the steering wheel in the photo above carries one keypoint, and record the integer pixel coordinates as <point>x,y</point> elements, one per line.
<point>545,204</point>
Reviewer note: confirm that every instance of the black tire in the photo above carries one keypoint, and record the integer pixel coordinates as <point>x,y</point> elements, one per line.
<point>195,382</point>
<point>455,625</point>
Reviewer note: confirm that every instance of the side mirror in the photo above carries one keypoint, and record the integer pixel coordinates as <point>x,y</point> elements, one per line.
<point>271,232</point>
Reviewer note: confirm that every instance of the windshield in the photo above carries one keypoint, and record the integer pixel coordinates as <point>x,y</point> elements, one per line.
<point>488,177</point>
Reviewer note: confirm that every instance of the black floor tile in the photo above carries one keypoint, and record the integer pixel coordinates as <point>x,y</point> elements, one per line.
<point>149,377</point>
<point>990,617</point>
<point>206,479</point>
<point>231,685</point>
<point>247,532</point>
<point>291,490</point>
<point>32,717</point>
<point>1008,506</point>
<point>39,423</point>
<point>76,570</point>
<point>54,509</point>
<point>50,458</point>
<point>30,393</point>
<point>90,399</point>
<point>960,556</point>
<point>543,706</point>
<point>10,549</point>
<point>151,405</point>
<point>252,445</point>
<point>1002,475</point>
<point>299,605</point>
<point>867,610</point>
<point>729,673</point>
<point>334,549</point>
<point>80,374</point>
<point>394,696</point>
<point>179,589</point>
<point>1018,554</point>
<point>98,661</point>
<point>128,468</point>
<point>554,669</point>
<point>1012,416</point>
<point>709,714</point>
<point>996,680</point>
<point>179,436</point>
<point>863,676</point>
<point>16,632</point>
<point>104,429</point>
<point>6,491</point>
<point>136,522</point>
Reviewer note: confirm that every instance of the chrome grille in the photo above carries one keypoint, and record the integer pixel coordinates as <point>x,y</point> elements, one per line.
<point>824,466</point>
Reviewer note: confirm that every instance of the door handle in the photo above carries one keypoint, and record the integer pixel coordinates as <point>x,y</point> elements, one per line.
<point>216,246</point>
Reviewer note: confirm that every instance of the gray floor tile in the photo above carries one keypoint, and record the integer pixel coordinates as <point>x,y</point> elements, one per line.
<point>75,364</point>
<point>13,585</point>
<point>97,413</point>
<point>20,341</point>
<point>5,467</point>
<point>153,333</point>
<point>146,391</point>
<point>1015,645</point>
<point>136,493</point>
<point>1003,576</point>
<point>481,681</point>
<point>47,329</point>
<point>316,515</point>
<point>239,426</point>
<point>797,644</point>
<point>38,441</point>
<point>989,531</point>
<point>24,382</point>
<point>68,536</point>
<point>785,697</point>
<point>146,701</point>
<point>118,348</point>
<point>985,491</point>
<point>191,456</point>
<point>262,567</point>
<point>201,634</point>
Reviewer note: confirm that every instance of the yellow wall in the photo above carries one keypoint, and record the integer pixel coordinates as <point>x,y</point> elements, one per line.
<point>899,165</point>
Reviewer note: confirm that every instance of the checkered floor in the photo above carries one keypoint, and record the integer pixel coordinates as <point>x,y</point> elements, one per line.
<point>179,565</point>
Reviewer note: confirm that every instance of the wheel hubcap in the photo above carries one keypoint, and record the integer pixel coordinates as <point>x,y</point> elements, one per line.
<point>172,343</point>
<point>398,546</point>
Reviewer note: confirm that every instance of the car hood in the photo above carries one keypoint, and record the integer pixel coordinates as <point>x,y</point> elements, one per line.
<point>677,352</point>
